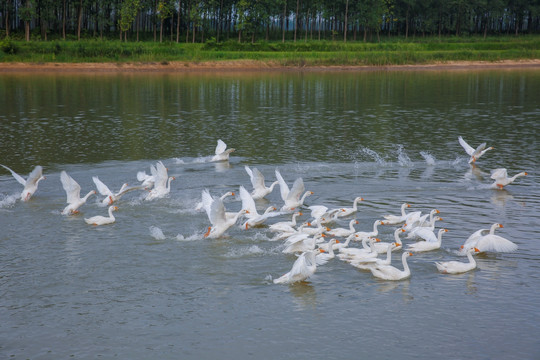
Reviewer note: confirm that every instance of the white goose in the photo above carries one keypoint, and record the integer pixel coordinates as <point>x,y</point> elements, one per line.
<point>395,219</point>
<point>475,154</point>
<point>458,267</point>
<point>425,232</point>
<point>352,254</point>
<point>206,200</point>
<point>502,179</point>
<point>420,221</point>
<point>490,242</point>
<point>260,190</point>
<point>428,245</point>
<point>472,240</point>
<point>221,153</point>
<point>220,223</point>
<point>30,184</point>
<point>285,226</point>
<point>73,193</point>
<point>254,218</point>
<point>375,232</point>
<point>389,272</point>
<point>368,263</point>
<point>382,247</point>
<point>102,220</point>
<point>111,197</point>
<point>346,211</point>
<point>299,243</point>
<point>162,184</point>
<point>326,255</point>
<point>302,269</point>
<point>293,198</point>
<point>343,232</point>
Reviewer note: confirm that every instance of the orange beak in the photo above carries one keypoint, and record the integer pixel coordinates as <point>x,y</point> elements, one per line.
<point>208,232</point>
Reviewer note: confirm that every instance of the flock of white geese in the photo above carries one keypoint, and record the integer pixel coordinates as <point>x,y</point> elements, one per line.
<point>313,242</point>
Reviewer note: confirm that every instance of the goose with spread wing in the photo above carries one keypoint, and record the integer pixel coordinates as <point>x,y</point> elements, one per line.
<point>30,184</point>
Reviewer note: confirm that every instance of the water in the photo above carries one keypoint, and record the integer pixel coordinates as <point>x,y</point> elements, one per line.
<point>150,286</point>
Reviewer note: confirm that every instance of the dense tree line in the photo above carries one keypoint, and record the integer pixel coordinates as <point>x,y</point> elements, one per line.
<point>250,20</point>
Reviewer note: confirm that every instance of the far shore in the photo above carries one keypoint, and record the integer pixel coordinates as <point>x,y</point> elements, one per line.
<point>251,66</point>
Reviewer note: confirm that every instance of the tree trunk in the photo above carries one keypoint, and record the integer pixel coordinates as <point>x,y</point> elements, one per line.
<point>345,26</point>
<point>178,21</point>
<point>194,31</point>
<point>64,9</point>
<point>283,22</point>
<point>79,20</point>
<point>154,22</point>
<point>239,36</point>
<point>296,19</point>
<point>137,19</point>
<point>407,23</point>
<point>7,19</point>
<point>220,20</point>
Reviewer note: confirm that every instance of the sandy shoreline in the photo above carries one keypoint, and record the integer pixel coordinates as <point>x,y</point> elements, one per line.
<point>252,65</point>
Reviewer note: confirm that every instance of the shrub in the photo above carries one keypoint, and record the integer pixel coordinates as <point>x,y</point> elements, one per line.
<point>8,46</point>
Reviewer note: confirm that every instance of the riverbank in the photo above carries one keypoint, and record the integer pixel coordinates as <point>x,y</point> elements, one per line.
<point>252,65</point>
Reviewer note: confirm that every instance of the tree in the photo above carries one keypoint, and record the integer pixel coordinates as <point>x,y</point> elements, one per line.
<point>164,11</point>
<point>128,13</point>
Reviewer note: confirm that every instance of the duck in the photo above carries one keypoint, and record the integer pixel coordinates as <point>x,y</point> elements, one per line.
<point>30,183</point>
<point>502,179</point>
<point>397,219</point>
<point>260,190</point>
<point>304,267</point>
<point>102,220</point>
<point>162,184</point>
<point>346,211</point>
<point>73,193</point>
<point>423,246</point>
<point>221,152</point>
<point>389,272</point>
<point>474,154</point>
<point>458,267</point>
<point>220,223</point>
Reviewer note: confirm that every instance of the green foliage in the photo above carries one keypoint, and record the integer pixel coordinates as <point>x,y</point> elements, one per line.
<point>9,47</point>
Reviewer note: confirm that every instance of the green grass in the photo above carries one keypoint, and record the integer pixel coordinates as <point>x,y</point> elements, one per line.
<point>395,51</point>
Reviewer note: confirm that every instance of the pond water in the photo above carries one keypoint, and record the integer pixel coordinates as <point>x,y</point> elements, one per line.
<point>151,286</point>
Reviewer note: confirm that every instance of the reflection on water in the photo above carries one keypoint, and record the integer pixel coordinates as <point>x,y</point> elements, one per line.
<point>304,295</point>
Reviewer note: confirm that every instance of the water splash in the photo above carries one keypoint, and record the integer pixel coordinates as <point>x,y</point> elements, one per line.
<point>403,158</point>
<point>7,200</point>
<point>374,155</point>
<point>245,251</point>
<point>192,237</point>
<point>430,159</point>
<point>156,233</point>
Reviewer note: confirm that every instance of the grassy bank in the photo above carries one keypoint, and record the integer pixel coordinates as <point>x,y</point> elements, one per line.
<point>389,52</point>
